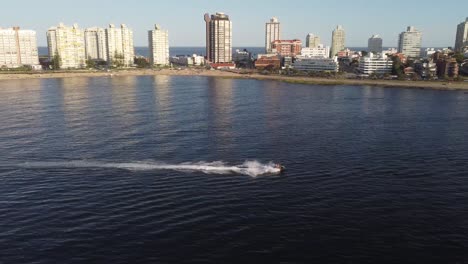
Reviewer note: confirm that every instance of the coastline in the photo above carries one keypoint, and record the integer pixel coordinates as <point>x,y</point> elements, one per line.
<point>225,74</point>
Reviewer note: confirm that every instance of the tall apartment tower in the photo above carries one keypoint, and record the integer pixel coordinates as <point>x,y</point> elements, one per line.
<point>68,43</point>
<point>375,44</point>
<point>338,41</point>
<point>272,33</point>
<point>120,44</point>
<point>18,47</point>
<point>159,46</point>
<point>218,38</point>
<point>462,36</point>
<point>410,43</point>
<point>312,41</point>
<point>95,44</point>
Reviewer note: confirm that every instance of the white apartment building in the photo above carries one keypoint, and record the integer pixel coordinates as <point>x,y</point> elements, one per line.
<point>338,41</point>
<point>272,33</point>
<point>461,40</point>
<point>390,51</point>
<point>375,64</point>
<point>68,43</point>
<point>319,51</point>
<point>95,44</point>
<point>241,55</point>
<point>194,60</point>
<point>18,47</point>
<point>219,38</point>
<point>120,44</point>
<point>374,44</point>
<point>312,41</point>
<point>159,46</point>
<point>427,53</point>
<point>312,64</point>
<point>410,43</point>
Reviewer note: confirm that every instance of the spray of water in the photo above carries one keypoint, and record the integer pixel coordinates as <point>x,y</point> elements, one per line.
<point>250,168</point>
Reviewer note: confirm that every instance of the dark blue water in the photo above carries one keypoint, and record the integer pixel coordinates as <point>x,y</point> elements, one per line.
<point>92,170</point>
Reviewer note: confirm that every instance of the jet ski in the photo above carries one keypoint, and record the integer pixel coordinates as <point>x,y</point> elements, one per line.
<point>280,167</point>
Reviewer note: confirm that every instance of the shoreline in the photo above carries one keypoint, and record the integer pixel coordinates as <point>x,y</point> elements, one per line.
<point>225,74</point>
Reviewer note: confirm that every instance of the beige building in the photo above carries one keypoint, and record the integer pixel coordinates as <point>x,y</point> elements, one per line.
<point>461,41</point>
<point>18,47</point>
<point>272,33</point>
<point>338,41</point>
<point>219,38</point>
<point>312,41</point>
<point>120,45</point>
<point>159,46</point>
<point>68,43</point>
<point>410,43</point>
<point>95,44</point>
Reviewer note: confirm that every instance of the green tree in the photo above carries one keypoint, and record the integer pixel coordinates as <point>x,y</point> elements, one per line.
<point>90,63</point>
<point>460,57</point>
<point>117,61</point>
<point>398,67</point>
<point>56,62</point>
<point>141,62</point>
<point>364,53</point>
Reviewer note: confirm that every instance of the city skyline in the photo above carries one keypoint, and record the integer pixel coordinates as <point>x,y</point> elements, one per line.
<point>248,19</point>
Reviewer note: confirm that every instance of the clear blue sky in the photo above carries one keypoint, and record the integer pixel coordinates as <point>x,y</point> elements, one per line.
<point>184,18</point>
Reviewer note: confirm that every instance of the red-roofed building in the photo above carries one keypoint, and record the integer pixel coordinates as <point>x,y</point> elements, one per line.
<point>267,61</point>
<point>287,48</point>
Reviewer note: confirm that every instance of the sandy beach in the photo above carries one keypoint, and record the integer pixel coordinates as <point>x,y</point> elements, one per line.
<point>225,74</point>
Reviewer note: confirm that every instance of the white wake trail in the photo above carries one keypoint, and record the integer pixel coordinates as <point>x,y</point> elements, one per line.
<point>250,168</point>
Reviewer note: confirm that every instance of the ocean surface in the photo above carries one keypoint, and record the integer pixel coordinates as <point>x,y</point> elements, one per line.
<point>178,170</point>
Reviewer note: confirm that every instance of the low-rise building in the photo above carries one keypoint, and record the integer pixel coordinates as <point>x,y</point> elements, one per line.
<point>316,64</point>
<point>426,69</point>
<point>375,64</point>
<point>427,53</point>
<point>223,66</point>
<point>447,68</point>
<point>194,60</point>
<point>390,51</point>
<point>268,61</point>
<point>286,48</point>
<point>242,58</point>
<point>318,51</point>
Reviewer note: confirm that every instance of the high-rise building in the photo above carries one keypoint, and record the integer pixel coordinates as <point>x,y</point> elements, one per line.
<point>272,33</point>
<point>375,44</point>
<point>159,46</point>
<point>461,41</point>
<point>68,44</point>
<point>410,43</point>
<point>95,44</point>
<point>120,45</point>
<point>338,40</point>
<point>18,47</point>
<point>312,41</point>
<point>218,38</point>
